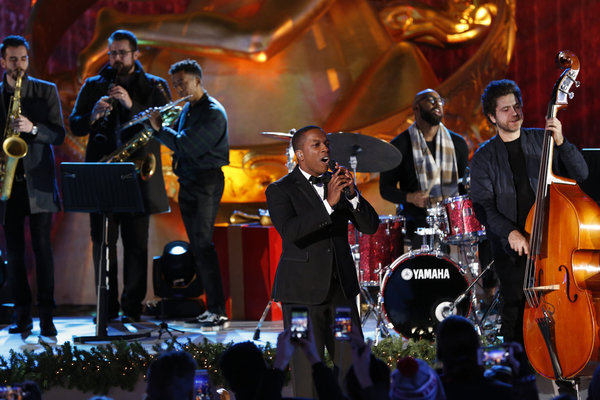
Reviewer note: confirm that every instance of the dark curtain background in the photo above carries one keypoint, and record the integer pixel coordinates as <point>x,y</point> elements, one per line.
<point>545,27</point>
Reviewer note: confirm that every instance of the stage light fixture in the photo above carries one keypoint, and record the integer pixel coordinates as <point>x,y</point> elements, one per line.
<point>175,280</point>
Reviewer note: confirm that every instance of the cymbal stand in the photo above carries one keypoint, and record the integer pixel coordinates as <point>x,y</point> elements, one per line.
<point>290,164</point>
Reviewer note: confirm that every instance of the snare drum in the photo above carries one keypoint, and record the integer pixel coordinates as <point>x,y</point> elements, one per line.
<point>379,249</point>
<point>418,292</point>
<point>462,226</point>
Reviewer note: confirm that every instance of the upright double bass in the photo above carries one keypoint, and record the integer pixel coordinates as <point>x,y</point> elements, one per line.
<point>562,277</point>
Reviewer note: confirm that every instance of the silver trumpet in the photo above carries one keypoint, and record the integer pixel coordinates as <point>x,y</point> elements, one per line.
<point>169,113</point>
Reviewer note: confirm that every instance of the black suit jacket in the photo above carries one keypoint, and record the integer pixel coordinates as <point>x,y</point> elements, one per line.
<point>146,91</point>
<point>40,103</point>
<point>311,237</point>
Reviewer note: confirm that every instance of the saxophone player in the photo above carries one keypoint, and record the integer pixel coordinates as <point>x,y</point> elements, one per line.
<point>120,91</point>
<point>34,191</point>
<point>201,147</point>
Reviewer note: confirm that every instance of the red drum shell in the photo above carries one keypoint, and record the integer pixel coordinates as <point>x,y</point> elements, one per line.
<point>462,225</point>
<point>379,249</point>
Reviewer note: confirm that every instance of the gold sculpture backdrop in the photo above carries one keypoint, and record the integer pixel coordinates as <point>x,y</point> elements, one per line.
<point>346,65</point>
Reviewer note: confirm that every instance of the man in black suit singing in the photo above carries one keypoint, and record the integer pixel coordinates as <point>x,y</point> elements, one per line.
<point>310,209</point>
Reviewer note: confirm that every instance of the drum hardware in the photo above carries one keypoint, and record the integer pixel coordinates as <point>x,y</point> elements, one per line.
<point>289,151</point>
<point>468,290</point>
<point>491,328</point>
<point>372,254</point>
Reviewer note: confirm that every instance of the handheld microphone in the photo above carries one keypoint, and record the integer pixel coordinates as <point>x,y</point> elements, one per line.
<point>347,191</point>
<point>100,126</point>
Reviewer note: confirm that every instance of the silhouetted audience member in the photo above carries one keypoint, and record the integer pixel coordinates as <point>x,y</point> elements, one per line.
<point>369,377</point>
<point>414,379</point>
<point>463,376</point>
<point>594,388</point>
<point>171,377</point>
<point>249,378</point>
<point>30,390</point>
<point>244,369</point>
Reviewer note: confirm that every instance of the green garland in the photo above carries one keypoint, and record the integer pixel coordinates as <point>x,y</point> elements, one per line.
<point>120,364</point>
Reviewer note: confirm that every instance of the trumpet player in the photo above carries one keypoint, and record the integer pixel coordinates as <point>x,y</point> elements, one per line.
<point>201,148</point>
<point>120,91</point>
<point>34,194</point>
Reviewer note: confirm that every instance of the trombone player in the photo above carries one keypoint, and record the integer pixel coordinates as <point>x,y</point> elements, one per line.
<point>201,148</point>
<point>120,91</point>
<point>32,117</point>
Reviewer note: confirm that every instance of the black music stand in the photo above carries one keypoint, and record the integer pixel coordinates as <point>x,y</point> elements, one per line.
<point>105,188</point>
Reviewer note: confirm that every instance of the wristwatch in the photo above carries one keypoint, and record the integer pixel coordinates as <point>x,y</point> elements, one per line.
<point>34,130</point>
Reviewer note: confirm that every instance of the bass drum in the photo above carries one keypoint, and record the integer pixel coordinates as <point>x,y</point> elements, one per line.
<point>418,292</point>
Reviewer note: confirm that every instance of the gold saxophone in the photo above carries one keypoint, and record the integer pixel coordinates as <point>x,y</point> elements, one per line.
<point>146,166</point>
<point>13,145</point>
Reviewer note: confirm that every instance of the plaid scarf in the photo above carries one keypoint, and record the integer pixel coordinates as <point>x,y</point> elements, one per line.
<point>439,177</point>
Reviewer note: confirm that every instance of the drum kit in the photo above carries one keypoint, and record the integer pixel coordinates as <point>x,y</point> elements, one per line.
<point>411,292</point>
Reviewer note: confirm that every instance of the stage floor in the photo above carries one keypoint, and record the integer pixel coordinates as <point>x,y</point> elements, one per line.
<point>70,326</point>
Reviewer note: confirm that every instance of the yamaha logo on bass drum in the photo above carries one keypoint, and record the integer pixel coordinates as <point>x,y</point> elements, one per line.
<point>425,273</point>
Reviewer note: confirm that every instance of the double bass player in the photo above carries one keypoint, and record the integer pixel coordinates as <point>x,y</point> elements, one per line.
<point>504,176</point>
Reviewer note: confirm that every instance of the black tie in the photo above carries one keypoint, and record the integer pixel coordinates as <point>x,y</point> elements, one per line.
<point>316,180</point>
<point>321,180</point>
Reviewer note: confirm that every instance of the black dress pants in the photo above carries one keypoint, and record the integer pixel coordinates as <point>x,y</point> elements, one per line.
<point>134,234</point>
<point>322,317</point>
<point>199,202</point>
<point>511,272</point>
<point>17,209</point>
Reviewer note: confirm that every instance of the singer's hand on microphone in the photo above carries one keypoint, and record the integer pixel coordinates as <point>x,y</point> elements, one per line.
<point>339,181</point>
<point>119,93</point>
<point>100,108</point>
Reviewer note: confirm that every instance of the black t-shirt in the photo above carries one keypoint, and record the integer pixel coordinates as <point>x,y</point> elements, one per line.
<point>525,194</point>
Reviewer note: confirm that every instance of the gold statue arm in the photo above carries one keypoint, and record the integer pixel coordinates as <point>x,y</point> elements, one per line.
<point>461,23</point>
<point>258,37</point>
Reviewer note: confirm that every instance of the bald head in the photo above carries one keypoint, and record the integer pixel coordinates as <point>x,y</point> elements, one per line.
<point>423,94</point>
<point>428,107</point>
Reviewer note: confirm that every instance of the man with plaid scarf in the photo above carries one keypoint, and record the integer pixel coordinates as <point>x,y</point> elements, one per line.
<point>433,160</point>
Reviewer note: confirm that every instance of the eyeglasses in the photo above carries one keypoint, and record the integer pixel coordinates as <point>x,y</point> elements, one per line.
<point>121,53</point>
<point>435,100</point>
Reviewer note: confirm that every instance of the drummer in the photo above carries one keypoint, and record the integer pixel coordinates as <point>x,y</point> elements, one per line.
<point>433,160</point>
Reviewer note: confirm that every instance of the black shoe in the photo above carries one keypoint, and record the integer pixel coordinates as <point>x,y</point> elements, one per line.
<point>18,328</point>
<point>47,328</point>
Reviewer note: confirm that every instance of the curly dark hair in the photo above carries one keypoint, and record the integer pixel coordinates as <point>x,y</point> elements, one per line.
<point>497,89</point>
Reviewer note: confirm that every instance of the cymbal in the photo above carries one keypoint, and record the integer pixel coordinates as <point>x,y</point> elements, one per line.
<point>287,136</point>
<point>372,154</point>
